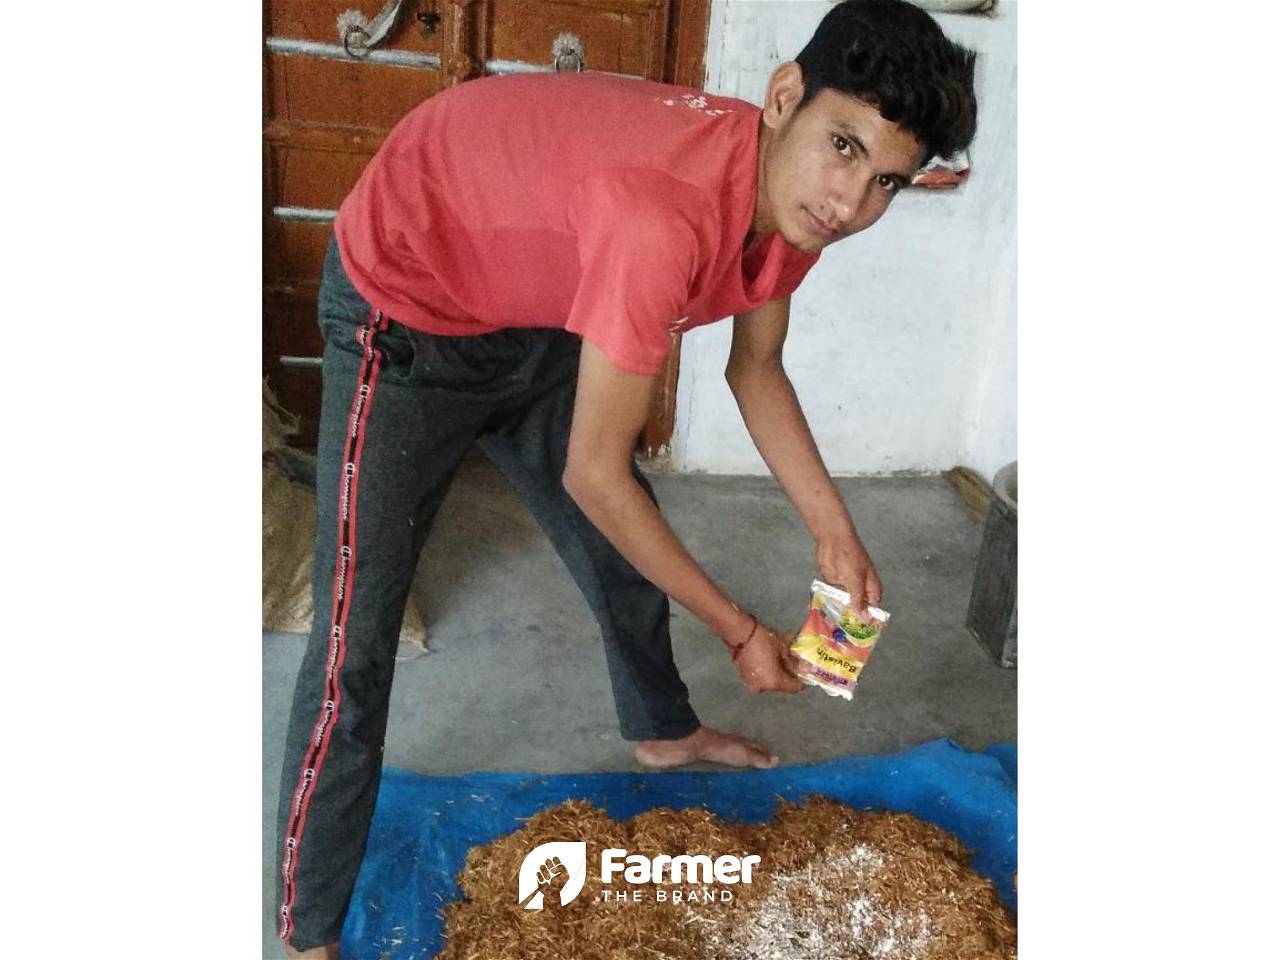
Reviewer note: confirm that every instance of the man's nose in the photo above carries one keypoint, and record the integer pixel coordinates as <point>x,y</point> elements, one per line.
<point>846,200</point>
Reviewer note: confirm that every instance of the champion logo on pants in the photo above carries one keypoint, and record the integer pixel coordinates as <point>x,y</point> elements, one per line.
<point>343,587</point>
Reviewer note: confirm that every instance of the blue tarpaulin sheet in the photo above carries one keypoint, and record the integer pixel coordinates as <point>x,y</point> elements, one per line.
<point>423,826</point>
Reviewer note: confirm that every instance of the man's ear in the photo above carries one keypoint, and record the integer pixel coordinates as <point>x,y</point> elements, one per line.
<point>784,92</point>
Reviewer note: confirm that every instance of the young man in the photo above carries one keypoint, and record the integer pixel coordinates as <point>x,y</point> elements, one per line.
<point>508,272</point>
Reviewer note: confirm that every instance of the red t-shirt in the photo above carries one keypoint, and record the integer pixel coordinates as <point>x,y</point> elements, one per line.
<point>614,208</point>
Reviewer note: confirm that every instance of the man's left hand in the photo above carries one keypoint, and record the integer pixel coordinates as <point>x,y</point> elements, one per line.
<point>844,562</point>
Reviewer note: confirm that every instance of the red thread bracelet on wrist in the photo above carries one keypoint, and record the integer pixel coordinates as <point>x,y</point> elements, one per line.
<point>736,648</point>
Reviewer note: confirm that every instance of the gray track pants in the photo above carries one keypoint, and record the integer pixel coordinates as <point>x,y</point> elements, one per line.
<point>400,409</point>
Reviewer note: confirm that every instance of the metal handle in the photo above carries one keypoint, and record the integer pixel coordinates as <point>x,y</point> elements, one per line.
<point>430,20</point>
<point>359,34</point>
<point>567,54</point>
<point>288,361</point>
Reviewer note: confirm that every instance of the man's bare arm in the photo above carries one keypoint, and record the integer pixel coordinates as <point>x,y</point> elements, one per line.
<point>609,412</point>
<point>778,427</point>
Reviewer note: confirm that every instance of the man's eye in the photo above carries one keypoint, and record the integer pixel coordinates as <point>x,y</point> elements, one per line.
<point>840,143</point>
<point>888,183</point>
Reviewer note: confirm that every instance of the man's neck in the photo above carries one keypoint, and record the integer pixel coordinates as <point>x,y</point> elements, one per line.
<point>759,218</point>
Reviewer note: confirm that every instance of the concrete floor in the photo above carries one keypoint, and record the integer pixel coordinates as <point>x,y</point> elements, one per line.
<point>551,709</point>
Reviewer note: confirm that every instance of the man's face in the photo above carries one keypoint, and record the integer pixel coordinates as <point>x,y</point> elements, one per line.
<point>831,168</point>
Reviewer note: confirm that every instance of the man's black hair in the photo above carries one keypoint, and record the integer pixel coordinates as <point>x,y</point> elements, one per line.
<point>895,57</point>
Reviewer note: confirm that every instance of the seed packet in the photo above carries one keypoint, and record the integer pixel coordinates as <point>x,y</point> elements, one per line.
<point>834,644</point>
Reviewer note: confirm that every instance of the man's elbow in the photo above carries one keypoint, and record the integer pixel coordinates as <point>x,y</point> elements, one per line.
<point>582,481</point>
<point>734,375</point>
<point>743,376</point>
<point>573,481</point>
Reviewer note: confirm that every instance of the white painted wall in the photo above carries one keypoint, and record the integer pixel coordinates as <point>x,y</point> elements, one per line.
<point>903,338</point>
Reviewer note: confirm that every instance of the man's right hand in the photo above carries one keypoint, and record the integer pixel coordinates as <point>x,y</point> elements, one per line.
<point>767,664</point>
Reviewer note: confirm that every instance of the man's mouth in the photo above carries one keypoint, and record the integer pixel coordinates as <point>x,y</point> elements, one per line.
<point>818,227</point>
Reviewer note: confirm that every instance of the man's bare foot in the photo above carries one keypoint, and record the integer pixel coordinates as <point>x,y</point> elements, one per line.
<point>327,952</point>
<point>705,744</point>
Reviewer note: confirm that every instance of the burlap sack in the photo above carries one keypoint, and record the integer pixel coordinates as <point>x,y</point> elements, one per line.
<point>288,534</point>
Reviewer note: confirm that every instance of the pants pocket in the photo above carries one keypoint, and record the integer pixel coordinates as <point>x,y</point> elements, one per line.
<point>342,311</point>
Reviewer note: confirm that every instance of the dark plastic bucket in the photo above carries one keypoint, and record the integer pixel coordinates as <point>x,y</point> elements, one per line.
<point>993,604</point>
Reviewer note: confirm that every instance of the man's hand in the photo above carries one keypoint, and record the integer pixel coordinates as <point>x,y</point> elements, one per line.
<point>767,664</point>
<point>844,562</point>
<point>778,427</point>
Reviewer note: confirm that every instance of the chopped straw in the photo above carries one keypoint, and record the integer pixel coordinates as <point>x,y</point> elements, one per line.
<point>833,884</point>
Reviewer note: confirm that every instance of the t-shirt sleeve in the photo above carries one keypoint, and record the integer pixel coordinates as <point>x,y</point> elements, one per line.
<point>793,273</point>
<point>642,236</point>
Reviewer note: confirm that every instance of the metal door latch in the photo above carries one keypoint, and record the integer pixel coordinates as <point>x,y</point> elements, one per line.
<point>567,54</point>
<point>359,34</point>
<point>429,20</point>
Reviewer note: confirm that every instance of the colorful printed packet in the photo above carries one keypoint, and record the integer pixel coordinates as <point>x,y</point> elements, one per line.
<point>834,644</point>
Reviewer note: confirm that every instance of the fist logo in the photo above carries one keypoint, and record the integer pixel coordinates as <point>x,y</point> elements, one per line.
<point>552,868</point>
<point>552,877</point>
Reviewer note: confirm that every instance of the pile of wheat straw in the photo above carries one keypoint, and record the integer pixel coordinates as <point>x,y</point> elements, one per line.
<point>833,884</point>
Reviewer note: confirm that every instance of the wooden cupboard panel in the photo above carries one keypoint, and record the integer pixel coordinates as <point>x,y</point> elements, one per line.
<point>622,37</point>
<point>660,423</point>
<point>317,20</point>
<point>299,251</point>
<point>643,45</point>
<point>313,137</point>
<point>318,90</point>
<point>317,179</point>
<point>291,328</point>
<point>688,25</point>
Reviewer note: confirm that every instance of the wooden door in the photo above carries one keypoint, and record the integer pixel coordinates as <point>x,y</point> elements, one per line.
<point>328,106</point>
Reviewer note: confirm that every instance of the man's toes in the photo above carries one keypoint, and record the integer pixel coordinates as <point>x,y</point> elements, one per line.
<point>763,760</point>
<point>755,747</point>
<point>753,754</point>
<point>741,755</point>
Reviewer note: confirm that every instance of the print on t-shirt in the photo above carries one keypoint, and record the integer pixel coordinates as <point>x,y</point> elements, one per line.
<point>694,102</point>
